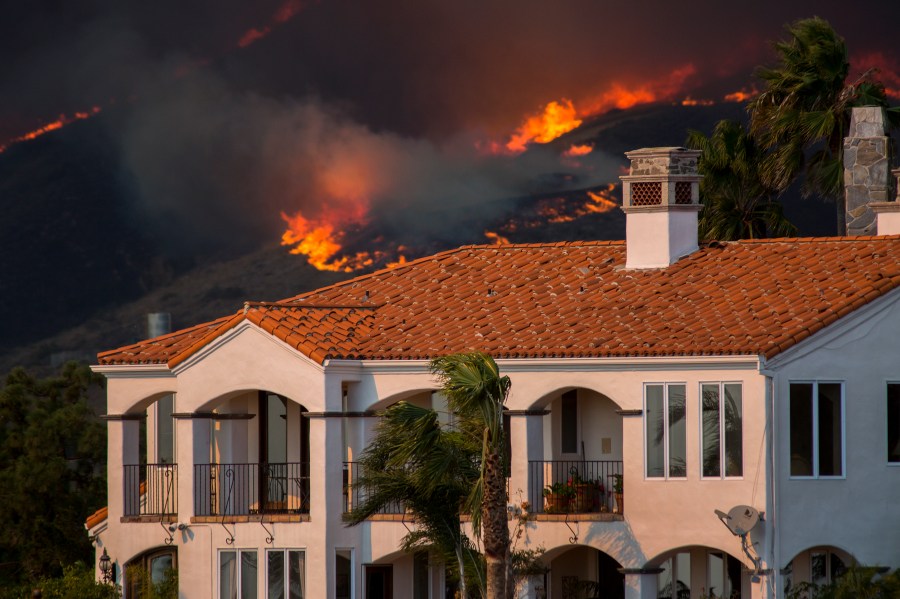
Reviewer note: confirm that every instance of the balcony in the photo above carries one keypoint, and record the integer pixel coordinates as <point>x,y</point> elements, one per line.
<point>354,494</point>
<point>151,490</point>
<point>581,486</point>
<point>233,490</point>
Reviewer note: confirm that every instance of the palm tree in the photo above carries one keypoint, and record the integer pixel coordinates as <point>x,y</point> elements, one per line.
<point>427,470</point>
<point>475,394</point>
<point>802,115</point>
<point>737,204</point>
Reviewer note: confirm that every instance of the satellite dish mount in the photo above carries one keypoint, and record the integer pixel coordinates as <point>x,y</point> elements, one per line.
<point>740,520</point>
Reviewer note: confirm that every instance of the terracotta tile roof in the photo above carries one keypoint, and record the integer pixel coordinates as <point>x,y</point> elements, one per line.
<point>570,300</point>
<point>97,517</point>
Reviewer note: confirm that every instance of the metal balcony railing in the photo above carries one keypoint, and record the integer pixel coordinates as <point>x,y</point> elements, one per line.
<point>244,489</point>
<point>151,489</point>
<point>581,486</point>
<point>354,494</point>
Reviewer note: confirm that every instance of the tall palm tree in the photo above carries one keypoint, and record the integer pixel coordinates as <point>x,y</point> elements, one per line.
<point>475,394</point>
<point>414,462</point>
<point>737,204</point>
<point>802,115</point>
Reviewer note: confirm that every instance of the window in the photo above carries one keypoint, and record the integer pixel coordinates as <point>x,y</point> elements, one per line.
<point>664,414</point>
<point>237,574</point>
<point>285,574</point>
<point>722,429</point>
<point>723,576</point>
<point>674,582</point>
<point>156,566</point>
<point>569,424</point>
<point>816,429</point>
<point>893,423</point>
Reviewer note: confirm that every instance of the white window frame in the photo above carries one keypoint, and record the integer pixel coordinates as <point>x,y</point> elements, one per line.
<point>666,463</point>
<point>815,432</point>
<point>887,436</point>
<point>286,569</point>
<point>721,385</point>
<point>237,551</point>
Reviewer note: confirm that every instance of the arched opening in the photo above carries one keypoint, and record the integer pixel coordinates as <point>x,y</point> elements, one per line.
<point>583,573</point>
<point>154,568</point>
<point>150,469</point>
<point>817,565</point>
<point>582,454</point>
<point>258,460</point>
<point>695,572</point>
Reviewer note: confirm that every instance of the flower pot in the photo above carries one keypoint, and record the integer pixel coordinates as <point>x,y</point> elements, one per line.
<point>555,503</point>
<point>584,498</point>
<point>620,503</point>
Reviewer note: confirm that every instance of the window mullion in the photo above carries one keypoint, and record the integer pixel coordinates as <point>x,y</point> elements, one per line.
<point>723,465</point>
<point>666,428</point>
<point>815,431</point>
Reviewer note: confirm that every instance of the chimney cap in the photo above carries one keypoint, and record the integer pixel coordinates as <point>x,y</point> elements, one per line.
<point>662,150</point>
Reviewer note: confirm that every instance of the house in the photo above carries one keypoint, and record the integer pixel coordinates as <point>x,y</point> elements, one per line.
<point>748,393</point>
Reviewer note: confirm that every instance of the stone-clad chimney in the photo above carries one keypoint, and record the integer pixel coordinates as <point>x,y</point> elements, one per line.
<point>661,199</point>
<point>866,166</point>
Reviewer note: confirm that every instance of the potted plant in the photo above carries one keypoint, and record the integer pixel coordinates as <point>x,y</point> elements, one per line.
<point>617,491</point>
<point>557,497</point>
<point>586,492</point>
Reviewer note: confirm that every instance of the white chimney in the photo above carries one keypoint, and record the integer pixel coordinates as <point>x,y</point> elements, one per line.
<point>661,199</point>
<point>887,214</point>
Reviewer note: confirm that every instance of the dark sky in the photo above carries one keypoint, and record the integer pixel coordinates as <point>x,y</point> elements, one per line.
<point>417,67</point>
<point>227,113</point>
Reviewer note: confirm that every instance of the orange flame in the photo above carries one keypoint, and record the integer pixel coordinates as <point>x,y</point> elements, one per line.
<point>556,119</point>
<point>689,101</point>
<point>59,123</point>
<point>285,12</point>
<point>561,116</point>
<point>496,238</point>
<point>578,150</point>
<point>742,95</point>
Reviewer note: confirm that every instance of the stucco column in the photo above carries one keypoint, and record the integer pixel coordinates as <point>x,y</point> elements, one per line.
<point>640,584</point>
<point>122,445</point>
<point>326,501</point>
<point>192,447</point>
<point>527,444</point>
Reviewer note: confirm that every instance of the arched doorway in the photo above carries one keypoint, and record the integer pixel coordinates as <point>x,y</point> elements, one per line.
<point>817,565</point>
<point>694,572</point>
<point>584,573</point>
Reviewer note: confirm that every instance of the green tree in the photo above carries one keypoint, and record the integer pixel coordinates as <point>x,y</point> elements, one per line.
<point>77,582</point>
<point>476,394</point>
<point>803,114</point>
<point>52,472</point>
<point>429,471</point>
<point>737,204</point>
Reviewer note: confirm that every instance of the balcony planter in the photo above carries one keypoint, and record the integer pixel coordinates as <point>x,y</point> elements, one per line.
<point>617,492</point>
<point>557,498</point>
<point>587,497</point>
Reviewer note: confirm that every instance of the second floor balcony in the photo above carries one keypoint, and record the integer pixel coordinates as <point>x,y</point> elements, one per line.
<point>251,489</point>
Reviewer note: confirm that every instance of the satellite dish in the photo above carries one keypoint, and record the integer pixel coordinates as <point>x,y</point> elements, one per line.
<point>740,519</point>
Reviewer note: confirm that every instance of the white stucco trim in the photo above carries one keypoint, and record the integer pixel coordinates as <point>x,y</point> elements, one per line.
<point>232,333</point>
<point>133,371</point>
<point>845,330</point>
<point>513,365</point>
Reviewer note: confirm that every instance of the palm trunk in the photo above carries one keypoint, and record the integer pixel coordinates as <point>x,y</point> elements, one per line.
<point>461,561</point>
<point>496,527</point>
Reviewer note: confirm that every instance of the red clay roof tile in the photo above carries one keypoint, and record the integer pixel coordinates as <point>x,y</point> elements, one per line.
<point>756,297</point>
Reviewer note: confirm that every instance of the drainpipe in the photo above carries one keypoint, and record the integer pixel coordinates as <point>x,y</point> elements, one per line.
<point>773,558</point>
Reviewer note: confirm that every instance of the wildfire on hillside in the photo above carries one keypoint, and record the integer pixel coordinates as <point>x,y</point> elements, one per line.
<point>325,244</point>
<point>59,123</point>
<point>558,117</point>
<point>741,95</point>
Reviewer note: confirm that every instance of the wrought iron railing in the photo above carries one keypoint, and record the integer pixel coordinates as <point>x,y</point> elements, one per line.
<point>355,494</point>
<point>151,489</point>
<point>579,486</point>
<point>243,489</point>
